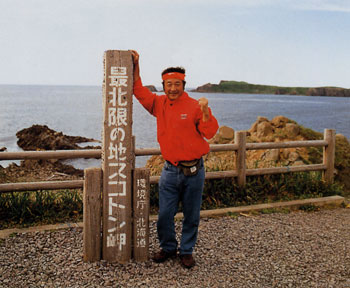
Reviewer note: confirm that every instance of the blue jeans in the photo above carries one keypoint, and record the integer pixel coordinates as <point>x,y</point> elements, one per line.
<point>173,188</point>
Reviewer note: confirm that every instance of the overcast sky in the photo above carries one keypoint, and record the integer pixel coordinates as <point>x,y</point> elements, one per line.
<point>282,42</point>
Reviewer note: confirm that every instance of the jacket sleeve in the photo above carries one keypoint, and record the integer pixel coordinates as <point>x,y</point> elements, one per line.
<point>145,97</point>
<point>207,129</point>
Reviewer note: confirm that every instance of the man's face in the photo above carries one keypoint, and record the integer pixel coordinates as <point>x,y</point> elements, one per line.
<point>173,88</point>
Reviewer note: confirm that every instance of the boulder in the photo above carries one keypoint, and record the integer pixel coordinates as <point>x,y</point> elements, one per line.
<point>285,153</point>
<point>279,121</point>
<point>292,130</point>
<point>262,119</point>
<point>298,163</point>
<point>226,133</point>
<point>338,136</point>
<point>264,129</point>
<point>272,155</point>
<point>253,128</point>
<point>293,156</point>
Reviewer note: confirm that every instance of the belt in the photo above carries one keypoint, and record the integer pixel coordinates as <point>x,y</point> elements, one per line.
<point>190,163</point>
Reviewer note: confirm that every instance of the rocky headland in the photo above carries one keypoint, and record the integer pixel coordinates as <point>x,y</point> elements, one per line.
<point>244,87</point>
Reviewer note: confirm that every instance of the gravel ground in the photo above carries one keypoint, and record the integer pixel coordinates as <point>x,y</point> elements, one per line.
<point>298,249</point>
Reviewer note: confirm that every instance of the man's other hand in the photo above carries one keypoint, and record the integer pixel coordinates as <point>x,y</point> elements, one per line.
<point>203,103</point>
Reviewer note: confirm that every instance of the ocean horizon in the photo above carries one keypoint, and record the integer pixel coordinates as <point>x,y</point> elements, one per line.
<point>77,111</point>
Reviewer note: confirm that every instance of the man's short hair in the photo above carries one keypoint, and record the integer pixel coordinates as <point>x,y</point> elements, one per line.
<point>175,69</point>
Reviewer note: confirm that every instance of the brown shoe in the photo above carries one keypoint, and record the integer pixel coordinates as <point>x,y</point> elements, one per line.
<point>187,261</point>
<point>162,256</point>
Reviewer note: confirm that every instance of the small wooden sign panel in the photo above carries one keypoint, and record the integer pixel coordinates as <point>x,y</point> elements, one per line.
<point>141,203</point>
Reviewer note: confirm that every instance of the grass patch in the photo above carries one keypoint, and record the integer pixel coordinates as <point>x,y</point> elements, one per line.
<point>221,193</point>
<point>23,209</point>
<point>309,208</point>
<point>40,207</point>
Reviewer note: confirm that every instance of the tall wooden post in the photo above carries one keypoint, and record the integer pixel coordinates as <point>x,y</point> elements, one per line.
<point>240,139</point>
<point>329,155</point>
<point>141,205</point>
<point>92,214</point>
<point>117,156</point>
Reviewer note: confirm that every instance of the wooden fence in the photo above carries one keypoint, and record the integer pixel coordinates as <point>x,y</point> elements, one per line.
<point>92,184</point>
<point>328,144</point>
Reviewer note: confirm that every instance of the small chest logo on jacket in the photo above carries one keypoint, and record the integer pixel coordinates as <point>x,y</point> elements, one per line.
<point>183,116</point>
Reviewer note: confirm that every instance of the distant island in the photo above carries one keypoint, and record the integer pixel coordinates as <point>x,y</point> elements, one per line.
<point>152,88</point>
<point>244,87</point>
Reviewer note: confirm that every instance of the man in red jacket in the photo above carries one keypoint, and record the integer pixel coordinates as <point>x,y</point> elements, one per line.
<point>182,124</point>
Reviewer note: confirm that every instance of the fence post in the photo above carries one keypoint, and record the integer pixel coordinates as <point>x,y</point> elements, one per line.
<point>329,155</point>
<point>141,205</point>
<point>240,139</point>
<point>92,214</point>
<point>117,156</point>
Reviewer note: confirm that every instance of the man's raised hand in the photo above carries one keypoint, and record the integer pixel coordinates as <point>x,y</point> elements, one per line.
<point>203,103</point>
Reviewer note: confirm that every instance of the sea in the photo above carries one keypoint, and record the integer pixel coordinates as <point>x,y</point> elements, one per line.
<point>77,111</point>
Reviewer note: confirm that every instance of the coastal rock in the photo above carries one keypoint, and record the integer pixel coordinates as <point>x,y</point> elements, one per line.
<point>338,136</point>
<point>261,119</point>
<point>42,137</point>
<point>253,128</point>
<point>279,121</point>
<point>39,137</point>
<point>264,129</point>
<point>292,129</point>
<point>328,91</point>
<point>272,155</point>
<point>226,133</point>
<point>298,163</point>
<point>206,88</point>
<point>293,156</point>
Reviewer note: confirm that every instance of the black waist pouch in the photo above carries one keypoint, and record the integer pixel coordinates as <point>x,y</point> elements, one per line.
<point>190,168</point>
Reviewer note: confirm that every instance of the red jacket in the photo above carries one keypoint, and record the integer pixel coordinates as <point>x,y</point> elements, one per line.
<point>180,128</point>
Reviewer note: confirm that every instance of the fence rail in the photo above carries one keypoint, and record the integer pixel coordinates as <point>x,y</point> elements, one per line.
<point>240,147</point>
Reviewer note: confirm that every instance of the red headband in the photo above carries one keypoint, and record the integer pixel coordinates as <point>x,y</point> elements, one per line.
<point>175,75</point>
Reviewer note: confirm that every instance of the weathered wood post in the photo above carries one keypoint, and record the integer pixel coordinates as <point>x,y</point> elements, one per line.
<point>141,204</point>
<point>117,156</point>
<point>329,155</point>
<point>240,139</point>
<point>92,214</point>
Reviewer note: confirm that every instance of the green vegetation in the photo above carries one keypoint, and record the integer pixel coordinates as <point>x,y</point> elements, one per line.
<point>44,207</point>
<point>342,156</point>
<point>47,207</point>
<point>222,193</point>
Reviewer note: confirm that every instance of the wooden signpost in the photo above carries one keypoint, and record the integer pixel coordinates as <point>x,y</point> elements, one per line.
<point>117,156</point>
